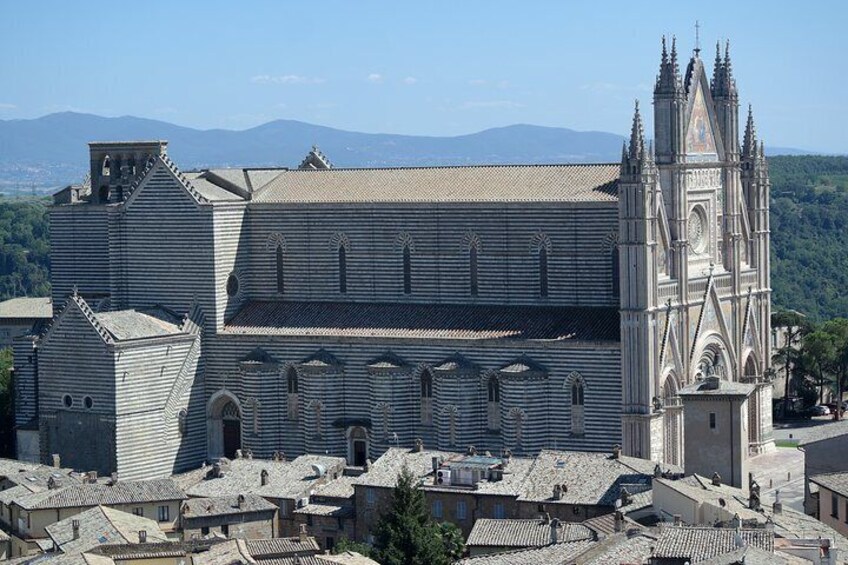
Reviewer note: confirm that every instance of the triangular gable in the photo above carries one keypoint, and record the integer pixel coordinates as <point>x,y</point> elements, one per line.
<point>671,344</point>
<point>78,304</point>
<point>702,127</point>
<point>712,319</point>
<point>158,164</point>
<point>750,331</point>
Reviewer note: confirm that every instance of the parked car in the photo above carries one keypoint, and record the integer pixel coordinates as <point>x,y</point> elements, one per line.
<point>821,410</point>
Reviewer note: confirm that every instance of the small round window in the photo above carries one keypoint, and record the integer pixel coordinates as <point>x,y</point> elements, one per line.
<point>67,401</point>
<point>698,230</point>
<point>232,285</point>
<point>88,402</point>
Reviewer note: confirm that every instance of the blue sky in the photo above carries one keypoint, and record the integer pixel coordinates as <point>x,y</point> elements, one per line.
<point>432,68</point>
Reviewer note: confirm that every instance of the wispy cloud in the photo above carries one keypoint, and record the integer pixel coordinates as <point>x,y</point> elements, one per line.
<point>7,106</point>
<point>375,77</point>
<point>410,80</point>
<point>285,79</point>
<point>476,104</point>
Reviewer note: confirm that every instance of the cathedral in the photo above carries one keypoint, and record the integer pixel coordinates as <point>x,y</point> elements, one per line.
<point>514,308</point>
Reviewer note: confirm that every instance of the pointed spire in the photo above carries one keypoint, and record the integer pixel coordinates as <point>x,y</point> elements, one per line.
<point>674,65</point>
<point>668,79</point>
<point>762,150</point>
<point>730,84</point>
<point>637,136</point>
<point>718,70</point>
<point>749,142</point>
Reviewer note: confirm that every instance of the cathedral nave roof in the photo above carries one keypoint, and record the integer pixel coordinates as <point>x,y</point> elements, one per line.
<point>426,321</point>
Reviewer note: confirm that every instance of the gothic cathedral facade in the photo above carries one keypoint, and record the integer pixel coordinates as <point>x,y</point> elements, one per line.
<point>345,311</point>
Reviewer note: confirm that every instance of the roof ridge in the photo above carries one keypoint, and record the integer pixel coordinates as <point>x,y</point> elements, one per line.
<point>92,317</point>
<point>475,166</point>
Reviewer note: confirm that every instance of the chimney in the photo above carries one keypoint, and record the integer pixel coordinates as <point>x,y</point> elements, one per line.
<point>546,518</point>
<point>557,492</point>
<point>142,536</point>
<point>302,535</point>
<point>716,480</point>
<point>657,471</point>
<point>435,461</point>
<point>778,506</point>
<point>677,520</point>
<point>248,453</point>
<point>239,454</point>
<point>92,477</point>
<point>419,445</point>
<point>53,483</point>
<point>472,450</point>
<point>616,451</point>
<point>57,461</point>
<point>263,477</point>
<point>114,478</point>
<point>241,501</point>
<point>75,528</point>
<point>619,521</point>
<point>555,530</point>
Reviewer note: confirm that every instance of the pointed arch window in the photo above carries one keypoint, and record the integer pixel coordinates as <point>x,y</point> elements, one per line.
<point>494,404</point>
<point>426,398</point>
<point>472,269</point>
<point>280,256</point>
<point>407,269</point>
<point>543,271</point>
<point>342,269</point>
<point>293,393</point>
<point>577,411</point>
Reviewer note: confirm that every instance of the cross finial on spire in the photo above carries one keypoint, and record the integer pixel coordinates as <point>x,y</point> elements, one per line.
<point>697,37</point>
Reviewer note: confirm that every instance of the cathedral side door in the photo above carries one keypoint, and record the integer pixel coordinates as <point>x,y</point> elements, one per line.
<point>359,453</point>
<point>232,437</point>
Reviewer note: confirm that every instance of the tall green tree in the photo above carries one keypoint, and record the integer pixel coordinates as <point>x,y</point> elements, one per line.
<point>837,358</point>
<point>406,535</point>
<point>787,354</point>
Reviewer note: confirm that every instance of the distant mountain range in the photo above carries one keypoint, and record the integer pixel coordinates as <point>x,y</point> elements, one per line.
<point>51,150</point>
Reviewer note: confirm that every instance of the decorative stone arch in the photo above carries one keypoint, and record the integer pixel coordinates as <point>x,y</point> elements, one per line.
<point>672,409</point>
<point>470,239</point>
<point>750,373</point>
<point>234,286</point>
<point>575,387</point>
<point>358,445</point>
<point>315,409</point>
<point>384,410</point>
<point>712,357</point>
<point>609,242</point>
<point>539,240</point>
<point>492,384</point>
<point>338,239</point>
<point>751,365</point>
<point>290,378</point>
<point>540,247</point>
<point>224,415</point>
<point>404,239</point>
<point>275,240</point>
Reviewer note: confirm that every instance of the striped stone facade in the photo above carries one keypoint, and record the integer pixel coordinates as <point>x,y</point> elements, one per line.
<point>348,311</point>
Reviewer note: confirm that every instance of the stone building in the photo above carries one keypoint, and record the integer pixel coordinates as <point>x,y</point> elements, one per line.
<point>344,311</point>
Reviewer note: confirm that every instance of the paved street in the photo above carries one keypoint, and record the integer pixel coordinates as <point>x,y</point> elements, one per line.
<point>783,469</point>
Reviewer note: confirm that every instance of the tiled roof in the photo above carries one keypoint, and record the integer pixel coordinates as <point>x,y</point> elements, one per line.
<point>747,555</point>
<point>552,554</point>
<point>339,488</point>
<point>489,532</point>
<point>131,324</point>
<point>101,525</point>
<point>426,321</point>
<point>702,543</point>
<point>347,558</point>
<point>86,495</point>
<point>212,192</point>
<point>821,432</point>
<point>497,183</point>
<point>286,479</point>
<point>589,478</point>
<point>725,388</point>
<point>230,552</point>
<point>324,509</point>
<point>226,505</point>
<point>280,547</point>
<point>605,524</point>
<point>26,308</point>
<point>631,547</point>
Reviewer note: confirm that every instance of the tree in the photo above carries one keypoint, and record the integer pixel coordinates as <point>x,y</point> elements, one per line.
<point>406,535</point>
<point>6,396</point>
<point>345,544</point>
<point>817,354</point>
<point>796,326</point>
<point>837,357</point>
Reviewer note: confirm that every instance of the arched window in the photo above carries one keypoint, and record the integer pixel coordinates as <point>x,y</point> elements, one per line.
<point>291,381</point>
<point>577,412</point>
<point>426,398</point>
<point>472,268</point>
<point>543,271</point>
<point>106,167</point>
<point>342,269</point>
<point>616,280</point>
<point>494,404</point>
<point>407,269</point>
<point>280,272</point>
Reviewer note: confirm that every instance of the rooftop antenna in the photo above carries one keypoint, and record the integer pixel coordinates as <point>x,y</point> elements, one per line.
<point>697,38</point>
